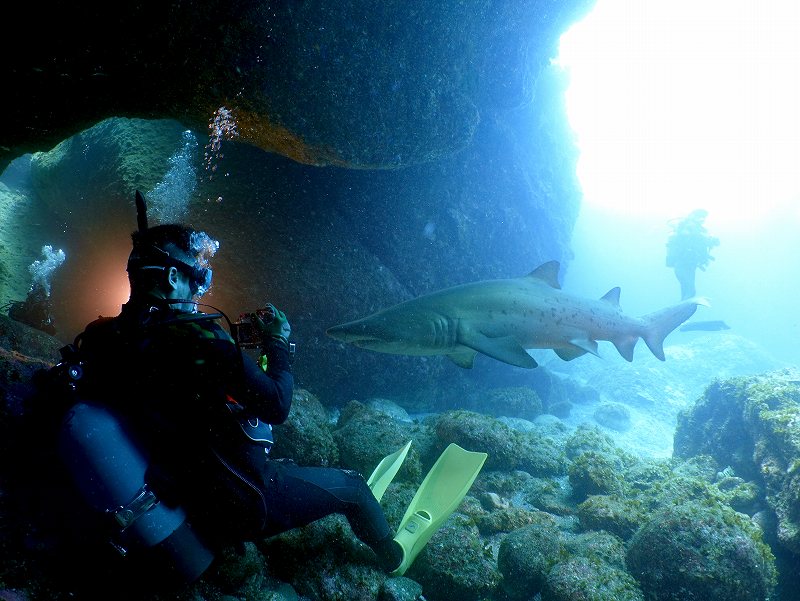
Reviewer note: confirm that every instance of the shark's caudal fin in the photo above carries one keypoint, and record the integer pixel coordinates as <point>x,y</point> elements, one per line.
<point>661,323</point>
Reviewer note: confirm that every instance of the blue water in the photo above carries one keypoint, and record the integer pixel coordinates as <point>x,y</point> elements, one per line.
<point>752,283</point>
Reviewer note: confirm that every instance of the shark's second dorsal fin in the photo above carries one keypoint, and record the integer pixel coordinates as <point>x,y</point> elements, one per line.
<point>548,273</point>
<point>612,296</point>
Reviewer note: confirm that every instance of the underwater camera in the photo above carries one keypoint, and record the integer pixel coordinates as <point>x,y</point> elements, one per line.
<point>244,331</point>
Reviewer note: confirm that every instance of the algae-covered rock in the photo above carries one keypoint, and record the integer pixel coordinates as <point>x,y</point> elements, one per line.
<point>518,401</point>
<point>695,552</point>
<point>752,424</point>
<point>504,519</point>
<point>23,342</point>
<point>527,555</point>
<point>508,449</point>
<point>234,569</point>
<point>365,436</point>
<point>581,579</point>
<point>503,483</point>
<point>454,565</point>
<point>20,241</point>
<point>305,436</point>
<point>597,546</point>
<point>613,514</point>
<point>324,560</point>
<point>590,438</point>
<point>592,473</point>
<point>615,416</point>
<point>399,589</point>
<point>118,156</point>
<point>550,495</point>
<point>744,497</point>
<point>717,425</point>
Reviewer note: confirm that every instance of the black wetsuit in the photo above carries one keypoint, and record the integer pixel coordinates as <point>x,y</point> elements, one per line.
<point>172,375</point>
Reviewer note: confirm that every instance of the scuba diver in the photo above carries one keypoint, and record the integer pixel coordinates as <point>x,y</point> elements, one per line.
<point>168,433</point>
<point>688,249</point>
<point>36,310</point>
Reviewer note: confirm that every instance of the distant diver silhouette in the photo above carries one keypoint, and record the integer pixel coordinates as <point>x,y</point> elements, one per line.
<point>688,249</point>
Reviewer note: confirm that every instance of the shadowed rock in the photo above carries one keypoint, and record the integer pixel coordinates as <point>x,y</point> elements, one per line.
<point>352,83</point>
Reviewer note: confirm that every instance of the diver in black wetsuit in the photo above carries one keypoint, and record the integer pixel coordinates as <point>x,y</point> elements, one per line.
<point>187,393</point>
<point>689,248</point>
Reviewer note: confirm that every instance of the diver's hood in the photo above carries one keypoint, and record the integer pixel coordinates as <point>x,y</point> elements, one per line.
<point>196,265</point>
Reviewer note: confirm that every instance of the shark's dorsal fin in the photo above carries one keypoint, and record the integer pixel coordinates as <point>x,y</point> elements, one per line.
<point>548,273</point>
<point>612,297</point>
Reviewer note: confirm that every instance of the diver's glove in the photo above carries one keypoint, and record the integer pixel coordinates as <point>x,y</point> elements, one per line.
<point>277,328</point>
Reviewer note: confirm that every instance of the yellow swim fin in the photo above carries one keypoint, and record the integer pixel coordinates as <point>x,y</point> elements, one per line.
<point>437,497</point>
<point>386,470</point>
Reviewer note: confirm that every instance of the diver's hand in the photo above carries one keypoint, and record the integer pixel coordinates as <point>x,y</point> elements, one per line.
<point>277,328</point>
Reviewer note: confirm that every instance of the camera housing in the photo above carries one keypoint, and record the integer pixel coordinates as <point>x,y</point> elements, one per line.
<point>244,330</point>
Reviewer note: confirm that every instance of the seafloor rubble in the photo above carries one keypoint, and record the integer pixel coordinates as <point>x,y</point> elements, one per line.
<point>557,511</point>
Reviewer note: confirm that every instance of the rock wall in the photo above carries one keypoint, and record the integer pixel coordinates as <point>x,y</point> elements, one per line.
<point>751,425</point>
<point>350,83</point>
<point>327,245</point>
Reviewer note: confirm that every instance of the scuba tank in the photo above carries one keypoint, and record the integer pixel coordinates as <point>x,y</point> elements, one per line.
<point>108,469</point>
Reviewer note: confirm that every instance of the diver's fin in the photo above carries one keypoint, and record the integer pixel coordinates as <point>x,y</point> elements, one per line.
<point>386,470</point>
<point>437,497</point>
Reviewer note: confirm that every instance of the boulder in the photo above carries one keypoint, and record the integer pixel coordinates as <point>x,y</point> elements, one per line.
<point>694,552</point>
<point>751,425</point>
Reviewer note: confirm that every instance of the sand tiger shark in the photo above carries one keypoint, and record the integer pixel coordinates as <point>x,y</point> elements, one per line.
<point>502,318</point>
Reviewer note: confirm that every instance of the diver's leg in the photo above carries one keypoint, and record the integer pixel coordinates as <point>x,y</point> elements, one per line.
<point>297,496</point>
<point>685,275</point>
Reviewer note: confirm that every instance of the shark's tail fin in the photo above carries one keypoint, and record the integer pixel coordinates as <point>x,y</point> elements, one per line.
<point>657,325</point>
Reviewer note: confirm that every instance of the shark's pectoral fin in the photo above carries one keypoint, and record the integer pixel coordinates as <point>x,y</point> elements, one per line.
<point>465,358</point>
<point>506,349</point>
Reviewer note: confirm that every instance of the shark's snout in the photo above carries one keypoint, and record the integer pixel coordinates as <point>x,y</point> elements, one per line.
<point>339,333</point>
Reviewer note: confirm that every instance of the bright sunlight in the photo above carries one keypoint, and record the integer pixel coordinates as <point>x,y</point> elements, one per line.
<point>680,104</point>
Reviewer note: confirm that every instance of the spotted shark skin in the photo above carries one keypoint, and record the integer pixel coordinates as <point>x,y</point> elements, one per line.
<point>503,318</point>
